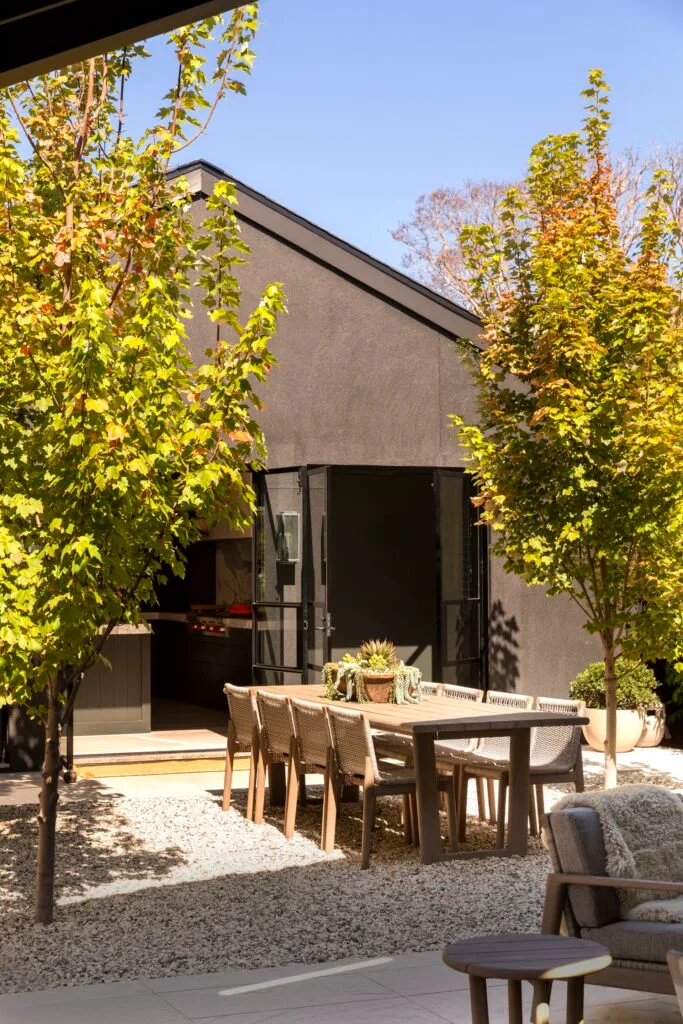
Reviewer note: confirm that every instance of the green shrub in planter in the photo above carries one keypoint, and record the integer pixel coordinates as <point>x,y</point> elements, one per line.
<point>636,685</point>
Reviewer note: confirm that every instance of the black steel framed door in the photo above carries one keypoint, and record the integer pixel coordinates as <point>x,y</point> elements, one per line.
<point>318,616</point>
<point>278,578</point>
<point>462,546</point>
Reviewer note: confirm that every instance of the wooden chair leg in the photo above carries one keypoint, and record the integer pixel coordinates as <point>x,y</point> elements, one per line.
<point>407,821</point>
<point>540,803</point>
<point>369,801</point>
<point>578,772</point>
<point>260,798</point>
<point>491,789</point>
<point>502,808</point>
<point>463,782</point>
<point>251,792</point>
<point>533,819</point>
<point>229,765</point>
<point>451,810</point>
<point>414,823</point>
<point>481,799</point>
<point>293,780</point>
<point>330,800</point>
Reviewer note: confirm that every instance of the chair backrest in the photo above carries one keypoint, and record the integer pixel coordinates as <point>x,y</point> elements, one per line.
<point>352,742</point>
<point>462,693</point>
<point>576,846</point>
<point>498,747</point>
<point>277,727</point>
<point>557,748</point>
<point>243,711</point>
<point>675,962</point>
<point>312,730</point>
<point>430,688</point>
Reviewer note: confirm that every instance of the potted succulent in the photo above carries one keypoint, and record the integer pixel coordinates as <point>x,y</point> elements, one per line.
<point>374,674</point>
<point>636,694</point>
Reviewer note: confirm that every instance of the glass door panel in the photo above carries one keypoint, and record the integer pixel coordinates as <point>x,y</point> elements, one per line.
<point>278,578</point>
<point>318,618</point>
<point>463,561</point>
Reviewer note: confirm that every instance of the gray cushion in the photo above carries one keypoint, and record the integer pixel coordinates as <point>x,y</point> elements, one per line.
<point>580,850</point>
<point>638,940</point>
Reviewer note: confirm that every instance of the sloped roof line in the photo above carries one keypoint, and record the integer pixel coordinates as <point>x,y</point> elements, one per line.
<point>383,280</point>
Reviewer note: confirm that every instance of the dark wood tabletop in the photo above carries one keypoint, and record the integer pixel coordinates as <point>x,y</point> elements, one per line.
<point>527,957</point>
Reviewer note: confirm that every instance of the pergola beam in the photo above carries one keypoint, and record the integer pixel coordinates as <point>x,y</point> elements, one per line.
<point>37,36</point>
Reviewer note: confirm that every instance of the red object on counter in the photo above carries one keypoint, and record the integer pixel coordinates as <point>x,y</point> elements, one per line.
<point>240,611</point>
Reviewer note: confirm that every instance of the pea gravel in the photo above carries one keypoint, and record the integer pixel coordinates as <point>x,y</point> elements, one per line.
<point>155,887</point>
<point>151,888</point>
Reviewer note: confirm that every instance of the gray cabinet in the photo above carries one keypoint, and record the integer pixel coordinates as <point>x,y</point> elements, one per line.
<point>117,700</point>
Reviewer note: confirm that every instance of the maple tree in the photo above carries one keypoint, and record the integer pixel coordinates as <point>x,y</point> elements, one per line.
<point>578,452</point>
<point>114,446</point>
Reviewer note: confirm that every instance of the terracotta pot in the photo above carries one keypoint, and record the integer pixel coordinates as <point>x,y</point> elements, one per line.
<point>629,729</point>
<point>378,686</point>
<point>654,727</point>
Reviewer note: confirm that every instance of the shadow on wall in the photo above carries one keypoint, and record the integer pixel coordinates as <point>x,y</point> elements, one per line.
<point>503,646</point>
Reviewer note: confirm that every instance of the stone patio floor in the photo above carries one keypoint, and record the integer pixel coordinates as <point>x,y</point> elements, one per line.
<point>413,989</point>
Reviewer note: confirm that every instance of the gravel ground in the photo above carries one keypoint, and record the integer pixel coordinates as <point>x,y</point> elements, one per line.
<point>152,888</point>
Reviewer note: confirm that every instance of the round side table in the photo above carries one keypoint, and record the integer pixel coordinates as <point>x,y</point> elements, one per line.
<point>540,959</point>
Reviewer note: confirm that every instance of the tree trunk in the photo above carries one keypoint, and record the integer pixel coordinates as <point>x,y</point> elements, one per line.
<point>47,815</point>
<point>611,709</point>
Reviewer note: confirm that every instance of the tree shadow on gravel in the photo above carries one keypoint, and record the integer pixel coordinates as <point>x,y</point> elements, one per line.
<point>388,844</point>
<point>94,846</point>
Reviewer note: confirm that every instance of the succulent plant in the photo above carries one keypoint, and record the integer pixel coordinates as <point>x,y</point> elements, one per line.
<point>380,654</point>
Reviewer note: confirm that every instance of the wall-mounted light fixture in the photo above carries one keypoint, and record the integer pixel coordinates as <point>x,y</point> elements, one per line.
<point>288,535</point>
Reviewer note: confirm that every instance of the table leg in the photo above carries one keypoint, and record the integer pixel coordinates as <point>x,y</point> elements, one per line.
<point>515,1012</point>
<point>540,1011</point>
<point>575,1001</point>
<point>479,1001</point>
<point>276,784</point>
<point>427,798</point>
<point>518,813</point>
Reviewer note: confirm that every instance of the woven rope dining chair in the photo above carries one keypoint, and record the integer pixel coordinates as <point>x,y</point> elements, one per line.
<point>243,736</point>
<point>275,744</point>
<point>490,749</point>
<point>356,763</point>
<point>556,752</point>
<point>449,752</point>
<point>311,754</point>
<point>555,756</point>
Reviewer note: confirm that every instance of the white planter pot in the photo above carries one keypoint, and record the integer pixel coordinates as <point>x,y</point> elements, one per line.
<point>629,729</point>
<point>654,727</point>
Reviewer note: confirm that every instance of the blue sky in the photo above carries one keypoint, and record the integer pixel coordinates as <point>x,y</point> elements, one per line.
<point>355,108</point>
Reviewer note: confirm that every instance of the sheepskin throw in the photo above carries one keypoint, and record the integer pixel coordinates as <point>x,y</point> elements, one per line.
<point>642,829</point>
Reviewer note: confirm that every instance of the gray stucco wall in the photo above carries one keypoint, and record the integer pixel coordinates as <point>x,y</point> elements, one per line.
<point>359,382</point>
<point>536,643</point>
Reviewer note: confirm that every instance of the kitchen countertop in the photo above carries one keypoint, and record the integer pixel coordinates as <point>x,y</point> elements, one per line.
<point>230,623</point>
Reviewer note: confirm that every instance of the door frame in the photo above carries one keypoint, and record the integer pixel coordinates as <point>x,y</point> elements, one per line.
<point>306,582</point>
<point>257,605</point>
<point>482,599</point>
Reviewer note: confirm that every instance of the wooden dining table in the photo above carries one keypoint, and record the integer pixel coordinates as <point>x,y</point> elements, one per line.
<point>445,718</point>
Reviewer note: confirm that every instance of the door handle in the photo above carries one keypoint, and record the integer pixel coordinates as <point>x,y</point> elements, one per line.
<point>327,628</point>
